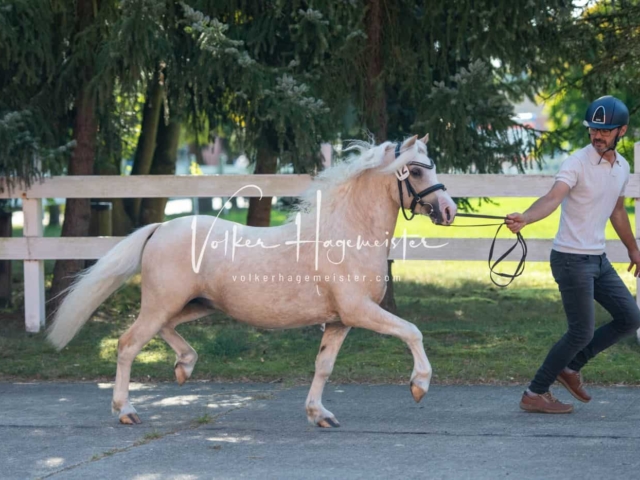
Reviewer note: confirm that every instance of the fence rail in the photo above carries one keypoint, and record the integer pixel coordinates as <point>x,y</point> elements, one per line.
<point>87,248</point>
<point>33,248</point>
<point>154,186</point>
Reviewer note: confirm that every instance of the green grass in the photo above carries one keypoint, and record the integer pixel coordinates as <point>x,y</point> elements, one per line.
<point>204,419</point>
<point>152,435</point>
<point>473,331</point>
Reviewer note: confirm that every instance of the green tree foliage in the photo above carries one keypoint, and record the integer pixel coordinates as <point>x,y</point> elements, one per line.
<point>32,120</point>
<point>452,68</point>
<point>284,70</point>
<point>286,76</point>
<point>599,56</point>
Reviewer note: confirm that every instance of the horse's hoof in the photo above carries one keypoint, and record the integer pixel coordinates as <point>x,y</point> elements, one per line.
<point>329,423</point>
<point>130,419</point>
<point>181,375</point>
<point>417,392</point>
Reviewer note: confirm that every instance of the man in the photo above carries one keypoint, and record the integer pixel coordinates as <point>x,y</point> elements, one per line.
<point>590,186</point>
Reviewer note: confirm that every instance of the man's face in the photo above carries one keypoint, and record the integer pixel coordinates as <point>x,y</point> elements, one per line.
<point>604,139</point>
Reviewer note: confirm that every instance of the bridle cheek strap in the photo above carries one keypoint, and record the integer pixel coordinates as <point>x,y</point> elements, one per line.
<point>416,197</point>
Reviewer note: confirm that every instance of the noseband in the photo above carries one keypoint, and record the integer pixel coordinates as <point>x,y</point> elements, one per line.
<point>403,176</point>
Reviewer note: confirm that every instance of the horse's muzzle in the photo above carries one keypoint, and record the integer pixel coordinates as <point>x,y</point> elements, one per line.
<point>441,216</point>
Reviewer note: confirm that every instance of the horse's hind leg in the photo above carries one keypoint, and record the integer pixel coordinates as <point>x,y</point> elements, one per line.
<point>186,356</point>
<point>334,335</point>
<point>146,326</point>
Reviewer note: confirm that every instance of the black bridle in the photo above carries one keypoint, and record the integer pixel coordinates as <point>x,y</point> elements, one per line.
<point>403,176</point>
<point>416,197</point>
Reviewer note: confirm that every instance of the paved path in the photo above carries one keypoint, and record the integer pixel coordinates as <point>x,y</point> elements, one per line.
<point>210,431</point>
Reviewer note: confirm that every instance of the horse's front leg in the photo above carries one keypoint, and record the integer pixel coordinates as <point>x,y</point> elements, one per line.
<point>371,316</point>
<point>334,335</point>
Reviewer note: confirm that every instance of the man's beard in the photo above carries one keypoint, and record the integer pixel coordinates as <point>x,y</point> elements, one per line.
<point>600,145</point>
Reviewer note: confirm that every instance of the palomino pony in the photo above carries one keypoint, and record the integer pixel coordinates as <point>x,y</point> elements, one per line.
<point>327,265</point>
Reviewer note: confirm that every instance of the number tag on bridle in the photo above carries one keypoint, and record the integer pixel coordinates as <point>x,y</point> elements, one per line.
<point>403,173</point>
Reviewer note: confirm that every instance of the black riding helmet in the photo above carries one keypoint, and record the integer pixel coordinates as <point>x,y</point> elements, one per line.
<point>606,113</point>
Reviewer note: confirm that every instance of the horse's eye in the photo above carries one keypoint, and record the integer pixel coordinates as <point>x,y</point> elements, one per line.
<point>416,172</point>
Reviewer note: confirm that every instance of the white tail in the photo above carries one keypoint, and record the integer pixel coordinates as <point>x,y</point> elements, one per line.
<point>95,284</point>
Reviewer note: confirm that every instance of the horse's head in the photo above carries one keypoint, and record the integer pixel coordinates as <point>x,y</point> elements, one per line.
<point>417,188</point>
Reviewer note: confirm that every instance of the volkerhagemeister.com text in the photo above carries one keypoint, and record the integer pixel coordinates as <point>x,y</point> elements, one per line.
<point>334,278</point>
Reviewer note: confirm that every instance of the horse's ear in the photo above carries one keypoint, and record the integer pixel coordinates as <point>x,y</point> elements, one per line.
<point>425,139</point>
<point>410,142</point>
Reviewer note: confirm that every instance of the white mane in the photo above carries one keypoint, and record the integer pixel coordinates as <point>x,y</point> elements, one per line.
<point>336,179</point>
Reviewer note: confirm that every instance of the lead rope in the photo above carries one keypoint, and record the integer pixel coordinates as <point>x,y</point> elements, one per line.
<point>519,241</point>
<point>403,175</point>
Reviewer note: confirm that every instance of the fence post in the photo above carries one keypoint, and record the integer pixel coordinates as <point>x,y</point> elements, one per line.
<point>636,163</point>
<point>33,269</point>
<point>327,151</point>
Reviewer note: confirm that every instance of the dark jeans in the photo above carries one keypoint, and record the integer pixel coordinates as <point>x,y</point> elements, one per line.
<point>581,279</point>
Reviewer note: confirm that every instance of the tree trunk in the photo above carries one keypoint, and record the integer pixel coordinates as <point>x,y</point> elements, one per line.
<point>120,220</point>
<point>121,224</point>
<point>77,216</point>
<point>146,141</point>
<point>100,224</point>
<point>54,215</point>
<point>389,300</point>
<point>201,204</point>
<point>259,214</point>
<point>204,205</point>
<point>376,99</point>
<point>164,163</point>
<point>6,231</point>
<point>376,105</point>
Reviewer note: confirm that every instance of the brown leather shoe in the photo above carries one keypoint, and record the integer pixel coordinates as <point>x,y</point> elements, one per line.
<point>572,381</point>
<point>544,403</point>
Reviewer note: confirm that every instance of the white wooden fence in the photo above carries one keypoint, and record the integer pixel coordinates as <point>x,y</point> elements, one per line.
<point>33,248</point>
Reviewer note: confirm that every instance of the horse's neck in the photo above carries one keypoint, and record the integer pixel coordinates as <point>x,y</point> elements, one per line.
<point>360,208</point>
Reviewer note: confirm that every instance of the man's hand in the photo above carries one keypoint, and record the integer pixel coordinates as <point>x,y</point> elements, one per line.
<point>634,258</point>
<point>541,208</point>
<point>516,222</point>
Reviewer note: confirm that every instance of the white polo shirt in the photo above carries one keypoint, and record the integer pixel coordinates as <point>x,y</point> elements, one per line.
<point>595,189</point>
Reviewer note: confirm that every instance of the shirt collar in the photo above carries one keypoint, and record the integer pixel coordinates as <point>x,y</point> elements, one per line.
<point>594,157</point>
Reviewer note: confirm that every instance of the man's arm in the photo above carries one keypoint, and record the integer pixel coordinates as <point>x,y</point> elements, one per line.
<point>541,208</point>
<point>620,221</point>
